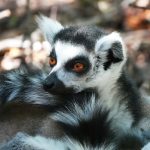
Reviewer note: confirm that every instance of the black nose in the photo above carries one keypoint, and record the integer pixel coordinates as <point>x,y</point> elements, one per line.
<point>49,82</point>
<point>53,84</point>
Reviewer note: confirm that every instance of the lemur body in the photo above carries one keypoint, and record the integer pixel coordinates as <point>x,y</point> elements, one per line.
<point>86,125</point>
<point>93,101</point>
<point>103,56</point>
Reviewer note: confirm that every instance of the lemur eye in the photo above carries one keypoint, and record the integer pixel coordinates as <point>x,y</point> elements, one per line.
<point>52,61</point>
<point>78,67</point>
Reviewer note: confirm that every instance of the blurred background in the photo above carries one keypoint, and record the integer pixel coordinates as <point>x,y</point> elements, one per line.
<point>22,44</point>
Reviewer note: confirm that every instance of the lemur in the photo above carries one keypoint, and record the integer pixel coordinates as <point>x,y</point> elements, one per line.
<point>91,97</point>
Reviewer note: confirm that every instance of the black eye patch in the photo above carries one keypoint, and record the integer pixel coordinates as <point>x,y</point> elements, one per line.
<point>79,59</point>
<point>52,58</point>
<point>52,54</point>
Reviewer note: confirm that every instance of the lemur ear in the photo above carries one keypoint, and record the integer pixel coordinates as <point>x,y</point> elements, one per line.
<point>111,47</point>
<point>49,27</point>
<point>113,42</point>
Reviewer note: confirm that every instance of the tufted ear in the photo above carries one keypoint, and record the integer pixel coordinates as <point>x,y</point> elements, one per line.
<point>111,47</point>
<point>49,27</point>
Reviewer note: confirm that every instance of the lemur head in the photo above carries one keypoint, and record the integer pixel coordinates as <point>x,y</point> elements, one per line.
<point>82,57</point>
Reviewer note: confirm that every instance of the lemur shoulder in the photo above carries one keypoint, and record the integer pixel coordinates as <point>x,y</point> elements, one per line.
<point>92,99</point>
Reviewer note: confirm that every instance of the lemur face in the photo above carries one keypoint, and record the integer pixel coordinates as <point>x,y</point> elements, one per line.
<point>81,57</point>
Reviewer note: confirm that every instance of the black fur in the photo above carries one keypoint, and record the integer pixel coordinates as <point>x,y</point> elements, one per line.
<point>53,55</point>
<point>85,36</point>
<point>132,96</point>
<point>114,55</point>
<point>95,131</point>
<point>25,86</point>
<point>79,59</point>
<point>56,87</point>
<point>130,141</point>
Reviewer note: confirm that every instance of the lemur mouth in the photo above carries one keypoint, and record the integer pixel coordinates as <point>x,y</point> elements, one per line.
<point>62,91</point>
<point>55,86</point>
<point>58,90</point>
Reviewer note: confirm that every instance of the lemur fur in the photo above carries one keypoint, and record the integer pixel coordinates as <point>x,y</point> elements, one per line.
<point>97,107</point>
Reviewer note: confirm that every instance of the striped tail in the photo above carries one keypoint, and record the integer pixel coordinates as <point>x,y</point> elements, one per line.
<point>24,85</point>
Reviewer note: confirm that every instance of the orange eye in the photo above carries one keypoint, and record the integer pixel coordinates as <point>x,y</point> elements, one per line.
<point>78,67</point>
<point>52,61</point>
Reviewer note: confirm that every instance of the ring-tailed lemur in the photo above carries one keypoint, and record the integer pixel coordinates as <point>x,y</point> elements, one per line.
<point>94,102</point>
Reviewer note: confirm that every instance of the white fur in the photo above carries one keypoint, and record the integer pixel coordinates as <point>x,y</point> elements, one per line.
<point>76,113</point>
<point>13,87</point>
<point>41,98</point>
<point>49,27</point>
<point>105,81</point>
<point>146,147</point>
<point>66,51</point>
<point>68,118</point>
<point>145,123</point>
<point>106,42</point>
<point>13,94</point>
<point>111,97</point>
<point>43,143</point>
<point>74,145</point>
